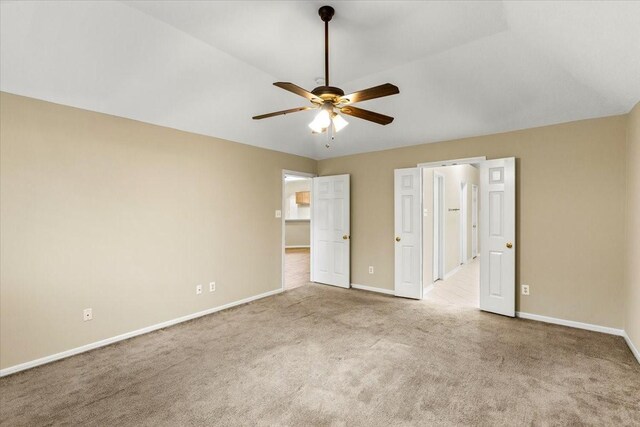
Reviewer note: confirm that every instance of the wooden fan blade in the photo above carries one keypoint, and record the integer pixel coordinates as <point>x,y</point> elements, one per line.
<point>371,93</point>
<point>360,113</point>
<point>282,113</point>
<point>298,91</point>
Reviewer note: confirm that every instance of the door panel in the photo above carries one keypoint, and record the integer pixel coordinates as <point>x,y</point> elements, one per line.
<point>497,234</point>
<point>331,230</point>
<point>408,229</point>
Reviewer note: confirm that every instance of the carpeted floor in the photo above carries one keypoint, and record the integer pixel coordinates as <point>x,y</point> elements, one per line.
<point>318,355</point>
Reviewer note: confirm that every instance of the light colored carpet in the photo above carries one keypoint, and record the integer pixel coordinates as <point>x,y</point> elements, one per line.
<point>318,355</point>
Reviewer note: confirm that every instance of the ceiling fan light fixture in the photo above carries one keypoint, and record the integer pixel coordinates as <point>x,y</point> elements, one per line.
<point>321,122</point>
<point>339,122</point>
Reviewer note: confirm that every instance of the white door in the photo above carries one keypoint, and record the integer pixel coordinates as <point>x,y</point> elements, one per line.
<point>331,230</point>
<point>474,220</point>
<point>498,232</point>
<point>408,232</point>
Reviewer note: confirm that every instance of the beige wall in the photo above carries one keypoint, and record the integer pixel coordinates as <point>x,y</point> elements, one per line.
<point>126,218</point>
<point>569,213</point>
<point>632,264</point>
<point>297,233</point>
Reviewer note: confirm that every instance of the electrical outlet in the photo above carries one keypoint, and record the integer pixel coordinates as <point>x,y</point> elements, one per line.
<point>278,213</point>
<point>525,289</point>
<point>87,314</point>
<point>371,269</point>
<point>198,289</point>
<point>212,286</point>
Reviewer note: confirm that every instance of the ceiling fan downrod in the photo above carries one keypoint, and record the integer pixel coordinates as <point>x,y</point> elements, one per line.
<point>326,13</point>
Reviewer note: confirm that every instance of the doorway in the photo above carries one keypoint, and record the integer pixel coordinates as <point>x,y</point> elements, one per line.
<point>456,277</point>
<point>494,290</point>
<point>296,229</point>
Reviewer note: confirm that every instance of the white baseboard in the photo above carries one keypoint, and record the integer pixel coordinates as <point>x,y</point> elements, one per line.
<point>52,358</point>
<point>298,247</point>
<point>373,289</point>
<point>633,348</point>
<point>452,272</point>
<point>580,325</point>
<point>427,289</point>
<point>571,323</point>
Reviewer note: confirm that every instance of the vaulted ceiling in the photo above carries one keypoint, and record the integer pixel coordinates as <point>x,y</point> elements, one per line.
<point>463,68</point>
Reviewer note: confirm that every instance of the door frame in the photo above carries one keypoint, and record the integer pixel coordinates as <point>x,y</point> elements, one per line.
<point>464,210</point>
<point>474,214</point>
<point>438,228</point>
<point>286,172</point>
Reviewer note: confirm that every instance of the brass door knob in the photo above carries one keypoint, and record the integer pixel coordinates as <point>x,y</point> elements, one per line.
<point>509,245</point>
<point>397,239</point>
<point>345,237</point>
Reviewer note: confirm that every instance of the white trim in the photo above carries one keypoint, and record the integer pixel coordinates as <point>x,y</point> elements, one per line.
<point>373,289</point>
<point>632,347</point>
<point>452,272</point>
<point>427,289</point>
<point>439,226</point>
<point>127,335</point>
<point>466,161</point>
<point>298,247</point>
<point>571,323</point>
<point>463,222</point>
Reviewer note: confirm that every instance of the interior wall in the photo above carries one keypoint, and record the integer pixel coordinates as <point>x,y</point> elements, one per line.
<point>125,218</point>
<point>570,178</point>
<point>632,262</point>
<point>292,210</point>
<point>297,233</point>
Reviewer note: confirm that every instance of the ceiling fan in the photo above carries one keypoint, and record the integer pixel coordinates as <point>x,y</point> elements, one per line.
<point>331,100</point>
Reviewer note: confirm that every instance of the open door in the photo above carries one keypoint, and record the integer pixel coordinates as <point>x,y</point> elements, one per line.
<point>408,232</point>
<point>497,234</point>
<point>331,230</point>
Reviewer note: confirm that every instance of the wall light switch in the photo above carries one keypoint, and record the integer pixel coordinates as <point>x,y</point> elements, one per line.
<point>278,213</point>
<point>87,314</point>
<point>198,289</point>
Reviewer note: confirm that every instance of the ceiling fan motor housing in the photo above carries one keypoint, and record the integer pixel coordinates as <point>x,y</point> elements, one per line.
<point>328,93</point>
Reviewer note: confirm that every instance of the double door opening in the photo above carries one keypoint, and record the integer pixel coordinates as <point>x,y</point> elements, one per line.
<point>453,219</point>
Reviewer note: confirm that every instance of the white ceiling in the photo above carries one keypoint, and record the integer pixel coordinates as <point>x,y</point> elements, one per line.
<point>463,68</point>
